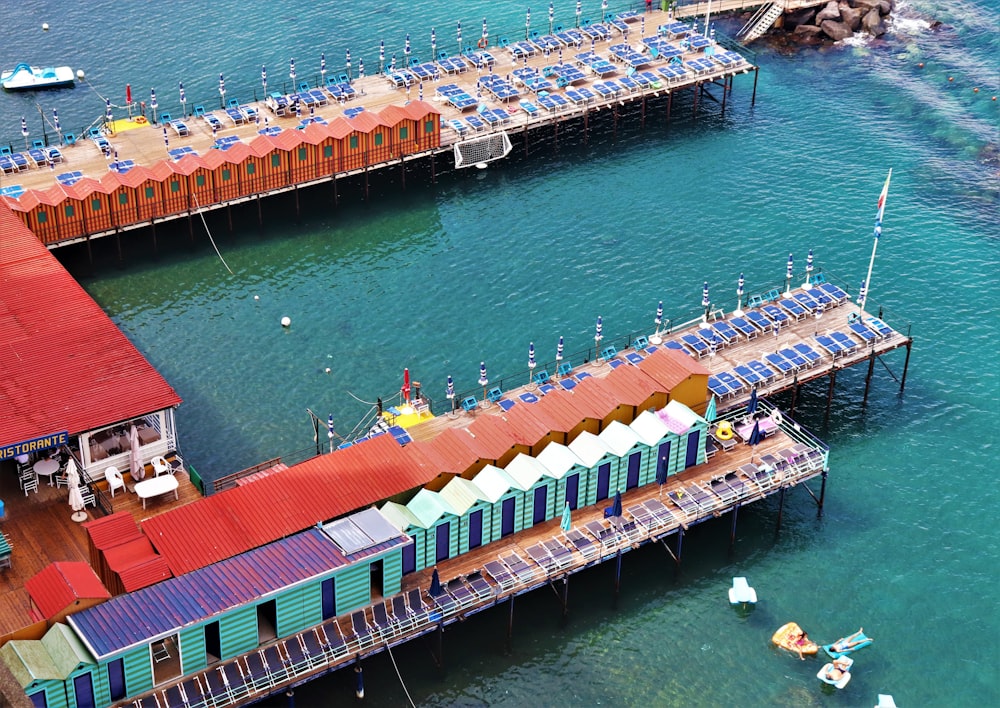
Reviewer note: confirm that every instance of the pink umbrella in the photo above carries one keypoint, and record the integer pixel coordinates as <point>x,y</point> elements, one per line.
<point>136,467</point>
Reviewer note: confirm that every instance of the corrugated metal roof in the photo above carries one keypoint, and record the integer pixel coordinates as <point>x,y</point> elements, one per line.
<point>460,494</point>
<point>558,460</point>
<point>528,428</point>
<point>28,660</point>
<point>618,437</point>
<point>589,448</point>
<point>493,483</point>
<point>557,410</point>
<point>113,530</point>
<point>492,437</point>
<point>450,451</point>
<point>162,609</point>
<point>94,377</point>
<point>317,490</point>
<point>427,507</point>
<point>60,584</point>
<point>525,470</point>
<point>399,516</point>
<point>649,428</point>
<point>144,573</point>
<point>66,649</point>
<point>592,399</point>
<point>670,367</point>
<point>629,385</point>
<point>678,417</point>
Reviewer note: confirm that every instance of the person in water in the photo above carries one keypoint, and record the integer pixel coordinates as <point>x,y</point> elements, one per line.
<point>799,640</point>
<point>850,642</point>
<point>837,669</point>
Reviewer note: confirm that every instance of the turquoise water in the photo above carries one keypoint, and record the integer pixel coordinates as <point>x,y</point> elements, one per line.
<point>437,278</point>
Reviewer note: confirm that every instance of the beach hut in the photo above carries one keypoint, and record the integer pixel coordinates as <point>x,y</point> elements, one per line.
<point>314,137</point>
<point>374,143</point>
<point>349,143</point>
<point>451,452</point>
<point>474,511</point>
<point>624,444</point>
<point>596,403</point>
<point>400,129</point>
<point>505,497</point>
<point>62,588</point>
<point>426,133</point>
<point>539,489</point>
<point>176,199</point>
<point>691,429</point>
<point>57,670</point>
<point>654,434</point>
<point>94,205</point>
<point>196,181</point>
<point>679,375</point>
<point>634,391</point>
<point>494,440</point>
<point>570,473</point>
<point>404,520</point>
<point>140,195</point>
<point>41,210</point>
<point>438,524</point>
<point>530,429</point>
<point>559,414</point>
<point>600,463</point>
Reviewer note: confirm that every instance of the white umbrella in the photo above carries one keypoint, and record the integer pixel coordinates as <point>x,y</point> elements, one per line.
<point>75,496</point>
<point>135,465</point>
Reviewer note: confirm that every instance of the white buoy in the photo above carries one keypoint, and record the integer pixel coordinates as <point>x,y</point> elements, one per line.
<point>45,27</point>
<point>256,297</point>
<point>286,321</point>
<point>481,165</point>
<point>328,369</point>
<point>79,74</point>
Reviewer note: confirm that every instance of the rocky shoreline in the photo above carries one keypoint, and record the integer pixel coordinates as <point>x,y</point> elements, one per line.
<point>836,20</point>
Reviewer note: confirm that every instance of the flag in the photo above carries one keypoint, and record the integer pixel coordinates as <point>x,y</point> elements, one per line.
<point>881,204</point>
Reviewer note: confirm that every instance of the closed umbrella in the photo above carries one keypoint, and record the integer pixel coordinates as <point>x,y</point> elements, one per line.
<point>809,269</point>
<point>135,466</point>
<point>381,56</point>
<point>531,358</point>
<point>361,68</point>
<point>435,588</point>
<point>322,67</point>
<point>579,10</point>
<point>55,121</point>
<point>604,9</point>
<point>153,105</point>
<point>24,131</point>
<point>788,274</point>
<point>752,403</point>
<point>329,431</point>
<point>567,520</point>
<point>434,44</point>
<point>166,140</point>
<point>659,316</point>
<point>405,390</point>
<point>108,116</point>
<point>180,86</point>
<point>450,394</point>
<point>755,435</point>
<point>661,473</point>
<point>486,33</point>
<point>291,72</point>
<point>263,78</point>
<point>458,32</point>
<point>483,381</point>
<point>705,301</point>
<point>347,57</point>
<point>739,297</point>
<point>76,502</point>
<point>710,412</point>
<point>222,87</point>
<point>552,15</point>
<point>406,51</point>
<point>559,352</point>
<point>616,505</point>
<point>527,23</point>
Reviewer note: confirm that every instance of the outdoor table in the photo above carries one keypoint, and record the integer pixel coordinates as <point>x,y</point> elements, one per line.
<point>156,486</point>
<point>46,468</point>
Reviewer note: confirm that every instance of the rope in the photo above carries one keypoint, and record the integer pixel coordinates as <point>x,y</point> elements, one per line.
<point>359,400</point>
<point>389,649</point>
<point>205,223</point>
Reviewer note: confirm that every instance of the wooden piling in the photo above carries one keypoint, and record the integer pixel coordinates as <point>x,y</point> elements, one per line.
<point>756,75</point>
<point>732,529</point>
<point>829,394</point>
<point>510,623</point>
<point>781,508</point>
<point>868,377</point>
<point>906,365</point>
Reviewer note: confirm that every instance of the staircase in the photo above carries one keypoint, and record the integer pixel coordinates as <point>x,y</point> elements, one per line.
<point>761,22</point>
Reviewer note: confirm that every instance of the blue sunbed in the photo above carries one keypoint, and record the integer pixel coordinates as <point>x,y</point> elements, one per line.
<point>795,358</point>
<point>712,338</point>
<point>743,327</point>
<point>695,344</point>
<point>810,354</point>
<point>748,374</point>
<point>807,301</point>
<point>828,343</point>
<point>775,313</point>
<point>881,327</point>
<point>728,332</point>
<point>734,383</point>
<point>762,369</point>
<point>793,307</point>
<point>780,363</point>
<point>862,331</point>
<point>843,340</point>
<point>833,291</point>
<point>758,320</point>
<point>717,387</point>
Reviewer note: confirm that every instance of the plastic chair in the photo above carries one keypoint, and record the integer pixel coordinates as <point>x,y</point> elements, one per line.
<point>641,342</point>
<point>30,485</point>
<point>161,466</point>
<point>469,404</point>
<point>541,377</point>
<point>199,111</point>
<point>114,478</point>
<point>609,352</point>
<point>69,139</point>
<point>494,394</point>
<point>565,368</point>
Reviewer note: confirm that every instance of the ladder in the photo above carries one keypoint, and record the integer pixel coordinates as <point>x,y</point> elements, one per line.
<point>761,22</point>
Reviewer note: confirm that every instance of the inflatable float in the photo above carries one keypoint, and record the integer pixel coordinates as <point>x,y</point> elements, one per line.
<point>860,638</point>
<point>843,666</point>
<point>787,637</point>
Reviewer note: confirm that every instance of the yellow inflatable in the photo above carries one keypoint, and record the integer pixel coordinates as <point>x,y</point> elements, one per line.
<point>724,431</point>
<point>792,638</point>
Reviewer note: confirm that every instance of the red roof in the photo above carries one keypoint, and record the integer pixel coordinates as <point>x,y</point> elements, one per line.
<point>630,386</point>
<point>64,365</point>
<point>669,367</point>
<point>319,489</point>
<point>61,584</point>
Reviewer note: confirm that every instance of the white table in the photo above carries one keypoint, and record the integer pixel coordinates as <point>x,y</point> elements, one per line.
<point>156,486</point>
<point>46,468</point>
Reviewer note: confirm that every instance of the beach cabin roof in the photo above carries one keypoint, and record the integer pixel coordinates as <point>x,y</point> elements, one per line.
<point>589,448</point>
<point>492,437</point>
<point>67,651</point>
<point>592,399</point>
<point>649,428</point>
<point>460,494</point>
<point>670,367</point>
<point>493,483</point>
<point>630,385</point>
<point>559,411</point>
<point>558,460</point>
<point>618,437</point>
<point>29,662</point>
<point>525,470</point>
<point>678,417</point>
<point>399,516</point>
<point>60,585</point>
<point>427,507</point>
<point>450,451</point>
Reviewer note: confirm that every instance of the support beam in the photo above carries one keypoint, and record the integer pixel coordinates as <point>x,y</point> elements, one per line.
<point>906,366</point>
<point>359,680</point>
<point>868,377</point>
<point>618,574</point>
<point>753,96</point>
<point>781,508</point>
<point>510,623</point>
<point>822,492</point>
<point>829,394</point>
<point>732,528</point>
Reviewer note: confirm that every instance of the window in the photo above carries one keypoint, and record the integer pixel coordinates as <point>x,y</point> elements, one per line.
<point>95,205</point>
<point>175,186</point>
<point>428,126</point>
<point>403,132</point>
<point>69,210</point>
<point>226,174</point>
<point>123,198</point>
<point>328,151</point>
<point>251,167</point>
<point>303,154</point>
<point>150,192</point>
<point>378,139</point>
<point>354,142</point>
<point>199,180</point>
<point>275,160</point>
<point>42,217</point>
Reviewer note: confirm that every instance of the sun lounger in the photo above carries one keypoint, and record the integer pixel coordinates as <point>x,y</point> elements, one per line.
<point>461,592</point>
<point>868,335</point>
<point>762,370</point>
<point>807,301</point>
<point>257,671</point>
<point>399,614</point>
<point>517,566</point>
<point>602,533</point>
<point>832,347</point>
<point>695,344</point>
<point>734,384</point>
<point>541,557</point>
<point>382,624</point>
<point>234,680</point>
<point>839,295</point>
<point>759,320</point>
<point>363,634</point>
<point>661,512</point>
<point>727,331</point>
<point>684,501</point>
<point>213,121</point>
<point>331,639</point>
<point>298,659</point>
<point>844,341</point>
<point>781,363</point>
<point>757,475</point>
<point>418,608</point>
<point>150,701</point>
<point>738,486</point>
<point>174,696</point>
<point>701,496</point>
<point>747,374</point>
<point>743,327</point>
<point>277,664</point>
<point>479,585</point>
<point>722,490</point>
<point>501,574</point>
<point>793,307</point>
<point>192,692</point>
<point>779,316</point>
<point>562,555</point>
<point>717,387</point>
<point>582,544</point>
<point>880,327</point>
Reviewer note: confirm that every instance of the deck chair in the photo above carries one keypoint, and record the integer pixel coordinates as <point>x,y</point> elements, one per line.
<point>469,404</point>
<point>400,613</point>
<point>161,466</point>
<point>362,630</point>
<point>257,671</point>
<point>542,377</point>
<point>276,667</point>
<point>494,394</point>
<point>331,639</point>
<point>479,585</point>
<point>641,342</point>
<point>564,368</point>
<point>418,609</point>
<point>114,478</point>
<point>295,656</point>
<point>383,626</point>
<point>313,648</point>
<point>609,352</point>
<point>69,139</point>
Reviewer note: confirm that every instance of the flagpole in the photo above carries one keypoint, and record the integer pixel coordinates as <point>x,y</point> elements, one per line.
<point>878,232</point>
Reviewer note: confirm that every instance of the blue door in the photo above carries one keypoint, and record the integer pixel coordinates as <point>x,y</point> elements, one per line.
<point>664,454</point>
<point>38,700</point>
<point>476,529</point>
<point>541,496</point>
<point>410,557</point>
<point>116,679</point>
<point>603,481</point>
<point>573,490</point>
<point>443,544</point>
<point>83,686</point>
<point>507,517</point>
<point>632,480</point>
<point>329,599</point>
<point>694,447</point>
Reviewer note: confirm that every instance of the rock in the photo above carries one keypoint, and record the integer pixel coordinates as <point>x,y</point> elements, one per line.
<point>864,5</point>
<point>871,23</point>
<point>838,30</point>
<point>884,7</point>
<point>850,16</point>
<point>829,12</point>
<point>806,31</point>
<point>799,17</point>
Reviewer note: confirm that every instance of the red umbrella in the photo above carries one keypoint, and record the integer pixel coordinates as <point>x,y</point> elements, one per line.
<point>406,386</point>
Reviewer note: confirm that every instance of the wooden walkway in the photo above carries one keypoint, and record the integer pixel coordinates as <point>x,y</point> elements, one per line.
<point>280,665</point>
<point>41,532</point>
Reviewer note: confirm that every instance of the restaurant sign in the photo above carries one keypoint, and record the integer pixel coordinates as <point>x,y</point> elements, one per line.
<point>9,452</point>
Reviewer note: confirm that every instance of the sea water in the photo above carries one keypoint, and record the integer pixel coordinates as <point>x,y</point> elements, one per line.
<point>440,277</point>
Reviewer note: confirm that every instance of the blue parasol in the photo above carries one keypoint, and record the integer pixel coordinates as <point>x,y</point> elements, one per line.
<point>329,431</point>
<point>598,335</point>
<point>661,473</point>
<point>347,56</point>
<point>263,78</point>
<point>616,505</point>
<point>788,273</point>
<point>180,88</point>
<point>291,72</point>
<point>752,403</point>
<point>809,269</point>
<point>222,87</point>
<point>739,297</point>
<point>322,66</point>
<point>381,55</point>
<point>705,301</point>
<point>710,410</point>
<point>435,588</point>
<point>755,435</point>
<point>361,68</point>
<point>566,523</point>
